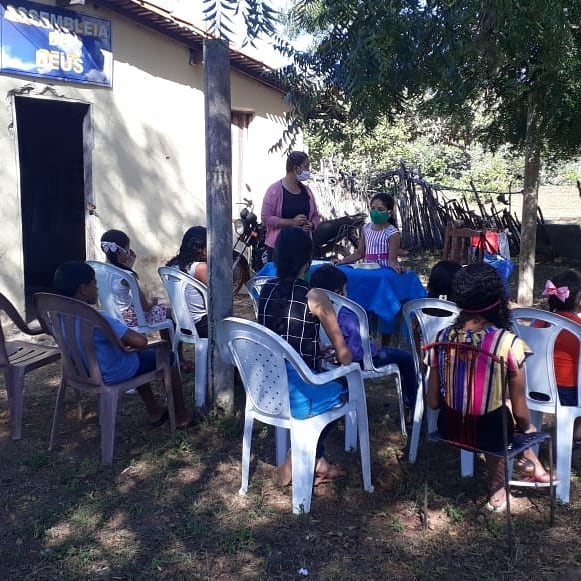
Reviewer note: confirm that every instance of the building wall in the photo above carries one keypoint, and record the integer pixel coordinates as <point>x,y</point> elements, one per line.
<point>149,151</point>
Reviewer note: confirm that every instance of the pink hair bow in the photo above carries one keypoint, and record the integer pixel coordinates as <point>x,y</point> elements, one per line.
<point>562,292</point>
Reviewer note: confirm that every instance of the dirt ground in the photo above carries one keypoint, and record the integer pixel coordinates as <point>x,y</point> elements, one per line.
<point>169,507</point>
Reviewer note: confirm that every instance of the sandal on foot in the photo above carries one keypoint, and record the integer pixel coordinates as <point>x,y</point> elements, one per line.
<point>331,474</point>
<point>193,423</point>
<point>523,468</point>
<point>496,506</point>
<point>162,419</point>
<point>542,480</point>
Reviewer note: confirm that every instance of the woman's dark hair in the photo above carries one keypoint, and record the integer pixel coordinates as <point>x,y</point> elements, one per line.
<point>292,250</point>
<point>328,277</point>
<point>572,280</point>
<point>389,202</point>
<point>115,238</point>
<point>69,276</point>
<point>479,289</point>
<point>294,159</point>
<point>440,280</point>
<point>194,242</point>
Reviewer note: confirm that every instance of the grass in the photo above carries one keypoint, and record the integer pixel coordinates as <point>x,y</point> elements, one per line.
<point>169,507</point>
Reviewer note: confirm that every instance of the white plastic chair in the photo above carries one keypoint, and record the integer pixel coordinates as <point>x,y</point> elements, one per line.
<point>109,275</point>
<point>540,379</point>
<point>254,285</point>
<point>260,355</point>
<point>429,324</point>
<point>176,282</point>
<point>369,370</point>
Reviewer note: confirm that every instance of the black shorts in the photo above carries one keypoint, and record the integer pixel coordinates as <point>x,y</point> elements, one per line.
<point>481,432</point>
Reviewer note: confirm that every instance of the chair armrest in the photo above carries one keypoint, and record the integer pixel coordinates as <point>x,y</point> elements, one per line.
<point>158,344</point>
<point>162,348</point>
<point>330,375</point>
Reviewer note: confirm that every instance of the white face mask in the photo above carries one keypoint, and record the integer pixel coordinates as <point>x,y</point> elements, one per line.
<point>304,176</point>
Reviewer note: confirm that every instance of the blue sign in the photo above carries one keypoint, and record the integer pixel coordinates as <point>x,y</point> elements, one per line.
<point>43,41</point>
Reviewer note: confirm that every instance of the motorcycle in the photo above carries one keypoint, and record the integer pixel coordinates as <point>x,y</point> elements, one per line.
<point>337,238</point>
<point>249,250</point>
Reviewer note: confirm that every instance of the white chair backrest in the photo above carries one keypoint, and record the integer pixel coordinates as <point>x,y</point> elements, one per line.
<point>260,354</point>
<point>339,302</point>
<point>539,368</point>
<point>109,278</point>
<point>254,285</point>
<point>432,315</point>
<point>176,282</point>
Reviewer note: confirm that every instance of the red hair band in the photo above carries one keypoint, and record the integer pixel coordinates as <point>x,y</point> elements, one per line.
<point>483,309</point>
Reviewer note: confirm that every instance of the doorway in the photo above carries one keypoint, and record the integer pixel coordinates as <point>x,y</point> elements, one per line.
<point>52,187</point>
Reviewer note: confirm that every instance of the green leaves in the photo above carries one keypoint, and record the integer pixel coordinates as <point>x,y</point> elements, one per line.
<point>258,16</point>
<point>468,63</point>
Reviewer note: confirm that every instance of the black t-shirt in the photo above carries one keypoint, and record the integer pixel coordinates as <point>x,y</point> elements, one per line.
<point>294,204</point>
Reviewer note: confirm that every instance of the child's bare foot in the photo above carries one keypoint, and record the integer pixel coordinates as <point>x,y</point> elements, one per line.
<point>325,472</point>
<point>533,473</point>
<point>285,472</point>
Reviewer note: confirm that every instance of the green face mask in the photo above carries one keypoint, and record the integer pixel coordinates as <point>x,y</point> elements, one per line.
<point>378,217</point>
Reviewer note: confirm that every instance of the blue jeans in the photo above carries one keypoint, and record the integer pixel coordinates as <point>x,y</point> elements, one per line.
<point>405,361</point>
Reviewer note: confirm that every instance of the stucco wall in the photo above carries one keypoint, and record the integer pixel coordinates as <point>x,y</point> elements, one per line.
<point>149,152</point>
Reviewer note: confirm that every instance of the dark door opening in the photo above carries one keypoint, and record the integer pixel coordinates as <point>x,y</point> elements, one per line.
<point>50,146</point>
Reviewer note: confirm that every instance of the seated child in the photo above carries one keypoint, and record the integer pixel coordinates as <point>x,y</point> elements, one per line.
<point>117,248</point>
<point>192,259</point>
<point>331,278</point>
<point>77,280</point>
<point>564,296</point>
<point>485,322</point>
<point>440,280</point>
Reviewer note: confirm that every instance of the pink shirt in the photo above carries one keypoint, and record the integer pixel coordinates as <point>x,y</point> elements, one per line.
<point>272,210</point>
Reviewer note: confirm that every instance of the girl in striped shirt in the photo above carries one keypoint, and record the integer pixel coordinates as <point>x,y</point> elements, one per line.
<point>380,240</point>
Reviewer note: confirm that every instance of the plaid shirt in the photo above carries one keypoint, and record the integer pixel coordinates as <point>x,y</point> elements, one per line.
<point>293,322</point>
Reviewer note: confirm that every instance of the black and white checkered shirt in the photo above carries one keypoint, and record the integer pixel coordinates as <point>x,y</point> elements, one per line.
<point>289,317</point>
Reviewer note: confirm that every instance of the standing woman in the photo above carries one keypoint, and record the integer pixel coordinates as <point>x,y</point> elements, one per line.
<point>295,311</point>
<point>289,202</point>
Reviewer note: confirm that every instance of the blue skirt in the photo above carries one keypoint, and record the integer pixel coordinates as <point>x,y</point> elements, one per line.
<point>307,400</point>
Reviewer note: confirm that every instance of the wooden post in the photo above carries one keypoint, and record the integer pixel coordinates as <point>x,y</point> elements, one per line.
<point>219,214</point>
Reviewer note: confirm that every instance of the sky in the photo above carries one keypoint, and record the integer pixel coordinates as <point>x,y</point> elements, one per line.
<point>191,11</point>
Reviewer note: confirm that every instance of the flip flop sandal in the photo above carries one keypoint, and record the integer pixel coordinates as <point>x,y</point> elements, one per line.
<point>322,480</point>
<point>533,482</point>
<point>193,423</point>
<point>524,467</point>
<point>162,419</point>
<point>329,476</point>
<point>496,508</point>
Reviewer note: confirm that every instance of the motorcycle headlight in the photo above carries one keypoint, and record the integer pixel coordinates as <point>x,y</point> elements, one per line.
<point>239,227</point>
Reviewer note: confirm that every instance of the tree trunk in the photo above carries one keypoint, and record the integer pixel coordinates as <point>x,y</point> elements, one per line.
<point>528,241</point>
<point>219,214</point>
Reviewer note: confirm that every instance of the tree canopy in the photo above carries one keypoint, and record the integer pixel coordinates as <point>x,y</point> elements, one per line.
<point>502,72</point>
<point>451,60</point>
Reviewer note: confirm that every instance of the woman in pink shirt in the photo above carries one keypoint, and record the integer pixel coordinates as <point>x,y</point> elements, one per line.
<point>289,202</point>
